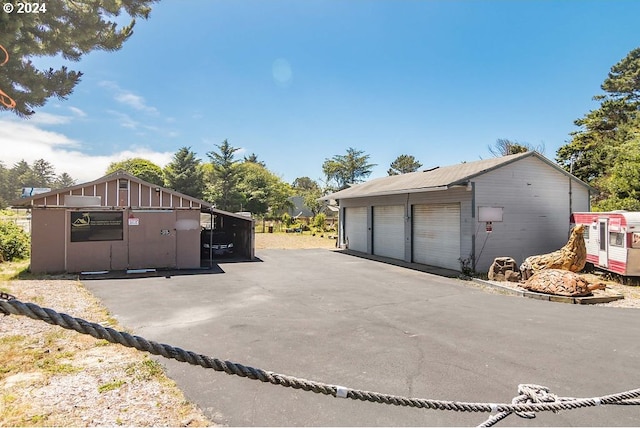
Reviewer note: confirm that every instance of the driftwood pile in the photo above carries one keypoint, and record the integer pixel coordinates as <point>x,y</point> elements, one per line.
<point>552,273</point>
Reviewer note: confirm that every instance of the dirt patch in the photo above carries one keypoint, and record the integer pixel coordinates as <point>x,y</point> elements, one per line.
<point>50,376</point>
<point>294,241</point>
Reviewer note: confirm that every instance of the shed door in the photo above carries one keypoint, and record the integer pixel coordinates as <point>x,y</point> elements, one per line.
<point>355,228</point>
<point>436,235</point>
<point>388,231</point>
<point>152,240</point>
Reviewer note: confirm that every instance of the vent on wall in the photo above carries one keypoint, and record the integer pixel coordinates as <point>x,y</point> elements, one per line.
<point>82,201</point>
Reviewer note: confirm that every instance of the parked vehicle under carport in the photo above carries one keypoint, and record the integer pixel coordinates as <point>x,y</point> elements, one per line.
<point>216,243</point>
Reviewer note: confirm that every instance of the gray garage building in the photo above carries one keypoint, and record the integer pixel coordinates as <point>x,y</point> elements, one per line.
<point>516,205</point>
<point>120,222</point>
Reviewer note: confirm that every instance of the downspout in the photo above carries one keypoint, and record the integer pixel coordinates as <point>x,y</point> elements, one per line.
<point>473,227</point>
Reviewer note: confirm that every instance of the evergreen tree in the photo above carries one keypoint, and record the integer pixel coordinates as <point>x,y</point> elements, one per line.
<point>254,159</point>
<point>43,173</point>
<point>65,28</point>
<point>185,174</point>
<point>223,179</point>
<point>604,151</point>
<point>63,180</point>
<point>404,164</point>
<point>344,170</point>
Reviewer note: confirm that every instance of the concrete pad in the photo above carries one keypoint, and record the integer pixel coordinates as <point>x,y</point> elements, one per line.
<point>344,320</point>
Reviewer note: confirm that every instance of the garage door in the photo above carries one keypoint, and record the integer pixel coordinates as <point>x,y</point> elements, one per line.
<point>436,235</point>
<point>388,231</point>
<point>355,228</point>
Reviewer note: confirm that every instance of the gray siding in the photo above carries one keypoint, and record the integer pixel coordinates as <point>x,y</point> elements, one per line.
<point>454,195</point>
<point>536,215</point>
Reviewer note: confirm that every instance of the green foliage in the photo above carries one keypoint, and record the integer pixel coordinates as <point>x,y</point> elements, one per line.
<point>14,242</point>
<point>344,170</point>
<point>505,147</point>
<point>142,168</point>
<point>605,151</point>
<point>263,192</point>
<point>319,221</point>
<point>68,30</point>
<point>287,220</point>
<point>40,173</point>
<point>310,192</point>
<point>404,164</point>
<point>223,178</point>
<point>185,174</point>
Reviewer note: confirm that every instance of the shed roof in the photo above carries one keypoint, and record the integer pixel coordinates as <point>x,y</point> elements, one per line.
<point>439,178</point>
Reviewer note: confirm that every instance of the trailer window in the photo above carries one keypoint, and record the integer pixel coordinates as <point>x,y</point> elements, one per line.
<point>616,239</point>
<point>635,240</point>
<point>585,233</point>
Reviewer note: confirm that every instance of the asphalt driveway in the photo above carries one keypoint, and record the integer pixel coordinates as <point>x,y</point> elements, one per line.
<point>340,319</point>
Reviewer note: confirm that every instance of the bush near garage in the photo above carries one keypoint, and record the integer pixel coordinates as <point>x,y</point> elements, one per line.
<point>14,242</point>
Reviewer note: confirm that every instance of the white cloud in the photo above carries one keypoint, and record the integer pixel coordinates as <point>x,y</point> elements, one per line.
<point>78,112</point>
<point>42,118</point>
<point>124,119</point>
<point>128,98</point>
<point>24,140</point>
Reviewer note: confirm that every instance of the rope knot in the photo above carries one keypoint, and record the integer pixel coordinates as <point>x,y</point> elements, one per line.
<point>530,393</point>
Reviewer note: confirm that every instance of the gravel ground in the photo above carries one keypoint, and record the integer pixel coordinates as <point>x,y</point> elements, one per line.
<point>55,377</point>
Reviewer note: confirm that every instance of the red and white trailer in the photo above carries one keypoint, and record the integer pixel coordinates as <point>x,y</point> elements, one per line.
<point>612,240</point>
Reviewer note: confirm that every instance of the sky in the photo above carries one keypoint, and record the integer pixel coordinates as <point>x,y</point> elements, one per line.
<point>298,82</point>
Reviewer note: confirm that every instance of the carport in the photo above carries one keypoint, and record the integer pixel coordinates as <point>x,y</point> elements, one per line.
<point>237,232</point>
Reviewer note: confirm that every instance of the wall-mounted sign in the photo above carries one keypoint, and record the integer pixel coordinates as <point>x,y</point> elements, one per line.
<point>490,213</point>
<point>134,221</point>
<point>165,232</point>
<point>489,227</point>
<point>96,226</point>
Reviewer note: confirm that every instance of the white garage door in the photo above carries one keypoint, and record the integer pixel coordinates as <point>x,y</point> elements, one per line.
<point>388,231</point>
<point>355,228</point>
<point>436,235</point>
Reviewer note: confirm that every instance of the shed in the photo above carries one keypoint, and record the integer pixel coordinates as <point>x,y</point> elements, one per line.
<point>517,205</point>
<point>120,222</point>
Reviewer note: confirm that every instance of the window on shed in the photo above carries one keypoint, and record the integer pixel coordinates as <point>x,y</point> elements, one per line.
<point>616,239</point>
<point>123,183</point>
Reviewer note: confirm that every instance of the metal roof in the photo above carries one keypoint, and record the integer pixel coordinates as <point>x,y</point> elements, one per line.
<point>439,178</point>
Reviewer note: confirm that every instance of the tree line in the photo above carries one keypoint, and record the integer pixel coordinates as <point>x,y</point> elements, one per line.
<point>230,183</point>
<point>604,151</point>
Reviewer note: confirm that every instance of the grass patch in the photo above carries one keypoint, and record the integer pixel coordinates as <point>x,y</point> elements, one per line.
<point>23,354</point>
<point>146,370</point>
<point>12,270</point>
<point>110,386</point>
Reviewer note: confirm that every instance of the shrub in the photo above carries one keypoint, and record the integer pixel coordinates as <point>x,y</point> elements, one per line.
<point>14,242</point>
<point>320,220</point>
<point>287,220</point>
